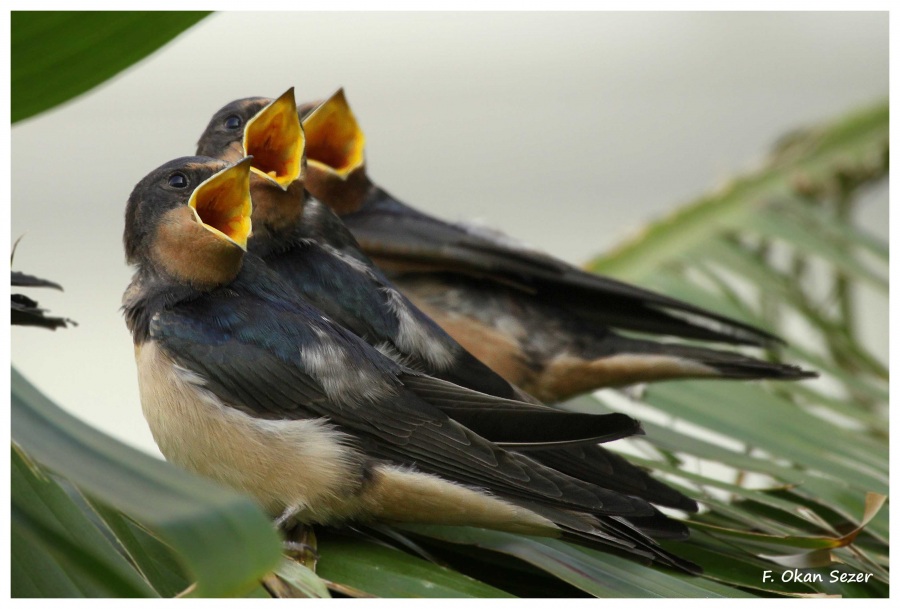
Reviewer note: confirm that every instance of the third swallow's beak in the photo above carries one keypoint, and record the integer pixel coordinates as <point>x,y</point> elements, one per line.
<point>222,203</point>
<point>335,142</point>
<point>275,140</point>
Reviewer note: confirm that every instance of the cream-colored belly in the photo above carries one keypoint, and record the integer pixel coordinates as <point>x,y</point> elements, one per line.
<point>302,464</point>
<point>306,465</point>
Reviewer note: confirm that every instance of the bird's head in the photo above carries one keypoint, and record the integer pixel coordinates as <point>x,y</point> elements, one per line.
<point>335,151</point>
<point>190,220</point>
<point>268,130</point>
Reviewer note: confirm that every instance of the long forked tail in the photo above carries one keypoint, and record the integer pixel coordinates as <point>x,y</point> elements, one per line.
<point>689,361</point>
<point>619,361</point>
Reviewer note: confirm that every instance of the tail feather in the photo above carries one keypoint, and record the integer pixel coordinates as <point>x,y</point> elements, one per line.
<point>630,542</point>
<point>608,470</point>
<point>724,364</point>
<point>629,537</point>
<point>617,361</point>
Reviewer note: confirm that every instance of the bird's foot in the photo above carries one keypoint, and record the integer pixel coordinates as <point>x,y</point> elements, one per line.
<point>300,545</point>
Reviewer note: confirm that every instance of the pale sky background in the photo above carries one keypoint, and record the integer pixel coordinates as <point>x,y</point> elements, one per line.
<point>569,131</point>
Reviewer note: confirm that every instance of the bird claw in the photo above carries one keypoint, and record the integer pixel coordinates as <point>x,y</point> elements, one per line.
<point>299,551</point>
<point>300,544</point>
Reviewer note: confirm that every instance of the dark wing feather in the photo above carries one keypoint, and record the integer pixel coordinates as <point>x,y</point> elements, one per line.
<point>249,350</point>
<point>323,262</point>
<point>400,236</point>
<point>607,469</point>
<point>516,424</point>
<point>590,463</point>
<point>346,296</point>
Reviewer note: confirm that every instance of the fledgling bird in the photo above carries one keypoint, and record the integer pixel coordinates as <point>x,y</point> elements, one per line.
<point>544,325</point>
<point>244,382</point>
<point>309,246</point>
<point>311,249</point>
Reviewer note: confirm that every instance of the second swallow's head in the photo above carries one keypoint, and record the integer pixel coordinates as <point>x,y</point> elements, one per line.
<point>267,129</point>
<point>335,141</point>
<point>189,220</point>
<point>335,148</point>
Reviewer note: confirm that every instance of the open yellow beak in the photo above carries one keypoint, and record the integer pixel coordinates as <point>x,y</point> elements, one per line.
<point>334,141</point>
<point>275,140</point>
<point>222,203</point>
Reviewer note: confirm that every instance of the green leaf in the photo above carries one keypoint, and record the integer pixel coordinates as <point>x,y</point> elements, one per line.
<point>775,223</point>
<point>813,219</point>
<point>223,539</point>
<point>153,558</point>
<point>729,564</point>
<point>59,55</point>
<point>381,571</point>
<point>867,587</point>
<point>735,490</point>
<point>765,421</point>
<point>853,142</point>
<point>57,549</point>
<point>294,580</point>
<point>600,574</point>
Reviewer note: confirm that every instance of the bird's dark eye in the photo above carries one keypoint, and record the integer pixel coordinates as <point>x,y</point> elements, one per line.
<point>178,180</point>
<point>233,122</point>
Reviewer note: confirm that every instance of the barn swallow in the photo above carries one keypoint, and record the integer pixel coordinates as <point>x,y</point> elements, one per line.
<point>544,325</point>
<point>244,382</point>
<point>310,248</point>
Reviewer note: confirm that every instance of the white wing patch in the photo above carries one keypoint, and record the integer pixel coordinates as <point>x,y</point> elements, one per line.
<point>390,351</point>
<point>353,263</point>
<point>343,380</point>
<point>412,339</point>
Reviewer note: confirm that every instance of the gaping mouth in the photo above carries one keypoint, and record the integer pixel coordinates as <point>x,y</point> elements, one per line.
<point>222,203</point>
<point>275,140</point>
<point>334,140</point>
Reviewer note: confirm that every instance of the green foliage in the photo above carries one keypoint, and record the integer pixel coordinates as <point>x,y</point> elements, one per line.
<point>56,550</point>
<point>220,538</point>
<point>778,248</point>
<point>59,55</point>
<point>370,569</point>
